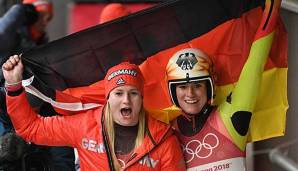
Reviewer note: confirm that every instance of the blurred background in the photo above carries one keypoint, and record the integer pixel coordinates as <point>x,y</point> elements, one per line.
<point>71,16</point>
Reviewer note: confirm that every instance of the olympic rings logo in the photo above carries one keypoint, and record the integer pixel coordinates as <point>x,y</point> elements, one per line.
<point>200,147</point>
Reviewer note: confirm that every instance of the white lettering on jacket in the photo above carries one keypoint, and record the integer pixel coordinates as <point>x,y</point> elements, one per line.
<point>149,162</point>
<point>92,145</point>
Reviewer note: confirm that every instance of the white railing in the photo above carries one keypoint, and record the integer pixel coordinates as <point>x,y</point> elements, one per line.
<point>280,158</point>
<point>291,5</point>
<point>283,161</point>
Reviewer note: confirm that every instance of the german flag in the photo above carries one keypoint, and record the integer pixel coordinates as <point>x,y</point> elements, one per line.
<point>68,72</point>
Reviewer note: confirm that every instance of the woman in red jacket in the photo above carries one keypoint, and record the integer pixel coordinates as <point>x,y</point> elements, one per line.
<point>118,136</point>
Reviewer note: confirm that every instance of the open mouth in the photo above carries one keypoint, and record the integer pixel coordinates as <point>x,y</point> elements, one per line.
<point>126,112</point>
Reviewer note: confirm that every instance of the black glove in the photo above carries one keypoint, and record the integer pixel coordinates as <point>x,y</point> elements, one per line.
<point>31,15</point>
<point>12,147</point>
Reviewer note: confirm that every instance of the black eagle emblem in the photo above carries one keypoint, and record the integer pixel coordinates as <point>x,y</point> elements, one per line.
<point>186,61</point>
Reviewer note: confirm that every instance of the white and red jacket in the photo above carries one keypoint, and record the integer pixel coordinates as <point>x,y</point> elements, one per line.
<point>212,148</point>
<point>160,150</point>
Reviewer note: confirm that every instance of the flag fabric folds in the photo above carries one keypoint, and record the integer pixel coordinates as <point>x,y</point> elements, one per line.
<point>68,72</point>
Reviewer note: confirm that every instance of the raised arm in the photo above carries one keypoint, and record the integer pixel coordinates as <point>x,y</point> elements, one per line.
<point>237,110</point>
<point>11,20</point>
<point>17,17</point>
<point>56,130</point>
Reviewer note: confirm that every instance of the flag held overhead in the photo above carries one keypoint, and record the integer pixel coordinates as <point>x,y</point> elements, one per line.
<point>225,30</point>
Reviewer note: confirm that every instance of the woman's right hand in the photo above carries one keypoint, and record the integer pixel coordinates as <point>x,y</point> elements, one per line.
<point>13,70</point>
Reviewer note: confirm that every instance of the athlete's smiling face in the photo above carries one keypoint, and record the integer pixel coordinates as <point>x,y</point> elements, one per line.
<point>125,105</point>
<point>192,96</point>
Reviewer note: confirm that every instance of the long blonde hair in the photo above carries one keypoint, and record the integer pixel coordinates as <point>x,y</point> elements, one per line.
<point>109,125</point>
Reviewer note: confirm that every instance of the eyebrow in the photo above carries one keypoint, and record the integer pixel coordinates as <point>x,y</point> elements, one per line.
<point>128,90</point>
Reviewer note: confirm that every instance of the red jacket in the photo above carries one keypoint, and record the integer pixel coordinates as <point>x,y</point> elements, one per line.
<point>160,151</point>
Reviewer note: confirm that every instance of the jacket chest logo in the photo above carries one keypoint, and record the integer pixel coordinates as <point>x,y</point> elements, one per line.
<point>93,145</point>
<point>149,162</point>
<point>201,149</point>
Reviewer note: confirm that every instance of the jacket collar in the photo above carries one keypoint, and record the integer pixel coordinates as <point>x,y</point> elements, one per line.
<point>156,133</point>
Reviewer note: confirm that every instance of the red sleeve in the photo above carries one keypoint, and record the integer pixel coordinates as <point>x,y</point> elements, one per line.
<point>53,131</point>
<point>171,155</point>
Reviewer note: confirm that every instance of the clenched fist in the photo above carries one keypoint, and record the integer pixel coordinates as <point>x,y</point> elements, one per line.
<point>13,70</point>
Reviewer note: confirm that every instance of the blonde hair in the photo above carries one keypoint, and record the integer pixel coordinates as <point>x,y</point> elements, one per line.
<point>109,125</point>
